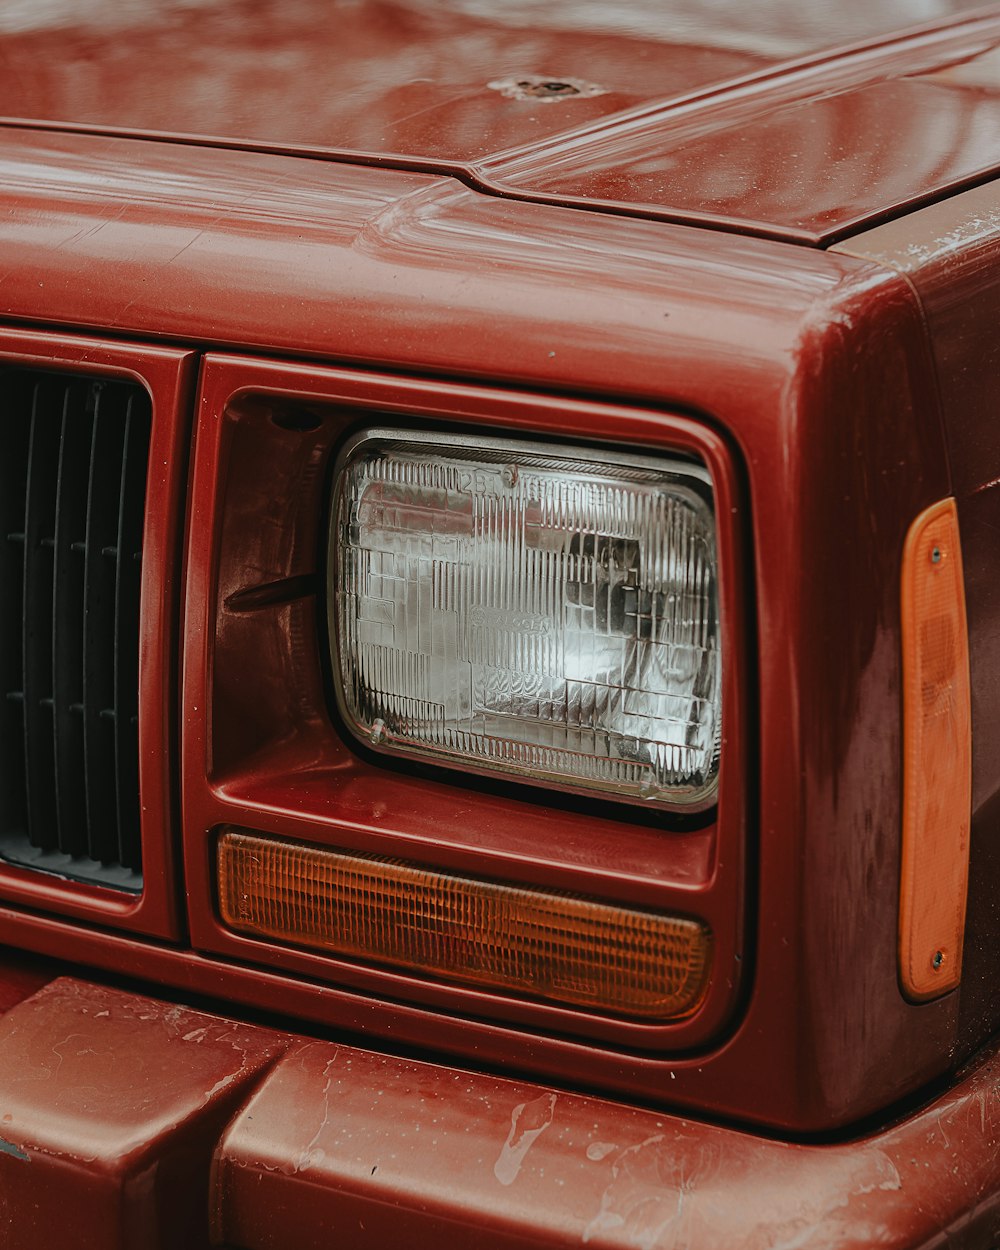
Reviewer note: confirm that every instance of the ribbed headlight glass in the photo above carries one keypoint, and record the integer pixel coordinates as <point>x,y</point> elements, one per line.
<point>529,610</point>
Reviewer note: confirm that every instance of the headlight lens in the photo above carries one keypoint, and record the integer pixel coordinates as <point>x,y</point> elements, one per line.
<point>518,608</point>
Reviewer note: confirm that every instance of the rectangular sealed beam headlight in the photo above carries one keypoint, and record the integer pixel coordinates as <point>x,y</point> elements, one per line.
<point>557,947</point>
<point>530,610</point>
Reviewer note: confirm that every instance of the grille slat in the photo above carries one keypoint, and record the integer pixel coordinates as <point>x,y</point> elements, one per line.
<point>36,628</point>
<point>99,624</point>
<point>13,480</point>
<point>67,616</point>
<point>132,490</point>
<point>72,497</point>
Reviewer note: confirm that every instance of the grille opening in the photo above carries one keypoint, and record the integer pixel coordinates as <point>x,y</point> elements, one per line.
<point>72,497</point>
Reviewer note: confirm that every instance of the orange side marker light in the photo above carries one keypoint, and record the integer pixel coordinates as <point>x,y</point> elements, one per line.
<point>937,756</point>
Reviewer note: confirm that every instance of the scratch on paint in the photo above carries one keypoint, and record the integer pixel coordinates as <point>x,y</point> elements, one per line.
<point>891,1180</point>
<point>8,1148</point>
<point>220,1085</point>
<point>798,1240</point>
<point>639,1197</point>
<point>994,481</point>
<point>528,1121</point>
<point>984,1096</point>
<point>314,1153</point>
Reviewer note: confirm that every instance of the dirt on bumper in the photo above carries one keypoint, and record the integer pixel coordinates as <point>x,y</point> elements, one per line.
<point>129,1122</point>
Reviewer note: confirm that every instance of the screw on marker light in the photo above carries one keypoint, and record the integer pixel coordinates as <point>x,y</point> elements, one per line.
<point>557,947</point>
<point>531,610</point>
<point>937,756</point>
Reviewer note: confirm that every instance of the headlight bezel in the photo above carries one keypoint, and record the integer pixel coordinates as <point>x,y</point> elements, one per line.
<point>265,749</point>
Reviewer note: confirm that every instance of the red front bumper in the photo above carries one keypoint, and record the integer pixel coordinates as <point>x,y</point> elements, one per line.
<point>126,1121</point>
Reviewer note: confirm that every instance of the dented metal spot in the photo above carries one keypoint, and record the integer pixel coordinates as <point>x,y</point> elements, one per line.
<point>546,89</point>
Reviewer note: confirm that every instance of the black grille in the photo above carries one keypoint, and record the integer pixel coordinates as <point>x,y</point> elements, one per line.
<point>72,492</point>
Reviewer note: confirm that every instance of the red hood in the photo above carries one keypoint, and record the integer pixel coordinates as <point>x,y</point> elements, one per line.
<point>793,117</point>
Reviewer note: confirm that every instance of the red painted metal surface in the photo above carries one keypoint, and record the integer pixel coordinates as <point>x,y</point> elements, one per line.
<point>390,1151</point>
<point>403,78</point>
<point>815,364</point>
<point>131,1122</point>
<point>400,270</point>
<point>809,156</point>
<point>780,118</point>
<point>266,754</point>
<point>168,374</point>
<point>951,253</point>
<point>110,1108</point>
<point>406,78</point>
<point>22,975</point>
<point>836,394</point>
<point>825,985</point>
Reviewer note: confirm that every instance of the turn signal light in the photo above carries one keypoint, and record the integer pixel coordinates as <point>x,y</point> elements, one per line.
<point>937,756</point>
<point>557,947</point>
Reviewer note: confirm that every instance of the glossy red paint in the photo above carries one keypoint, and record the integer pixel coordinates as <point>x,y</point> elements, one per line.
<point>950,252</point>
<point>803,155</point>
<point>855,990</point>
<point>398,78</point>
<point>393,1150</point>
<point>390,78</point>
<point>778,119</point>
<point>204,1130</point>
<point>431,250</point>
<point>320,260</point>
<point>262,750</point>
<point>110,1108</point>
<point>851,828</point>
<point>168,374</point>
<point>22,975</point>
<point>817,367</point>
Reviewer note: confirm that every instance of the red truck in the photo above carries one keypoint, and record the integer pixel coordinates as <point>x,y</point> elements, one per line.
<point>500,625</point>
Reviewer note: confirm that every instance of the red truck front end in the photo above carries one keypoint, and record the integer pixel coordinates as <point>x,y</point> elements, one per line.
<point>489,740</point>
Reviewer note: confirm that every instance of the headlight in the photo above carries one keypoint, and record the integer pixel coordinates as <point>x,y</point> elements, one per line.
<point>517,608</point>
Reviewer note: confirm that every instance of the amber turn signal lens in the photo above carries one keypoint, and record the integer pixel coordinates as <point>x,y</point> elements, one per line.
<point>557,947</point>
<point>937,756</point>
